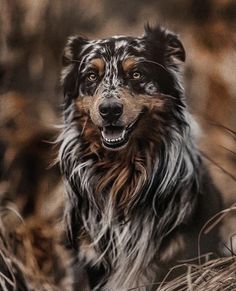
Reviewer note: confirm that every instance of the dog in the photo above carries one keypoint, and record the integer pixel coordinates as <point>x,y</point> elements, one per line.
<point>137,188</point>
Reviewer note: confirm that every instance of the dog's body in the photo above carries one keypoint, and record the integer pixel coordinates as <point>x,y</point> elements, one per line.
<point>135,181</point>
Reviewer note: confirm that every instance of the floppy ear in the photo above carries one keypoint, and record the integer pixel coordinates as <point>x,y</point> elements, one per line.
<point>166,44</point>
<point>71,61</point>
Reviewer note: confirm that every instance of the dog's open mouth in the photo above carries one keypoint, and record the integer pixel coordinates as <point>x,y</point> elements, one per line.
<point>116,137</point>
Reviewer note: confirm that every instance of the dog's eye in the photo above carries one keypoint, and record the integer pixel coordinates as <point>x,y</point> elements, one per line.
<point>136,75</point>
<point>92,77</point>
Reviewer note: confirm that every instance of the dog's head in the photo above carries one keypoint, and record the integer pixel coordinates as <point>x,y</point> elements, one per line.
<point>121,84</point>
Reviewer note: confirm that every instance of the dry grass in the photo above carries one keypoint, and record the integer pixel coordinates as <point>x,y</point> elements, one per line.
<point>31,256</point>
<point>203,273</point>
<point>217,275</point>
<point>23,265</point>
<point>11,274</point>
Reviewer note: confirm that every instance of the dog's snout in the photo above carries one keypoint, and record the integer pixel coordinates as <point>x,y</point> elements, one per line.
<point>110,111</point>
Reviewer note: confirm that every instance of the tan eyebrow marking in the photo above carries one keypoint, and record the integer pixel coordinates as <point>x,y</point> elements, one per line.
<point>98,64</point>
<point>129,64</point>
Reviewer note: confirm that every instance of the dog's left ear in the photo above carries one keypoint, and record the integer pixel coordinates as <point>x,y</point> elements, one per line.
<point>167,45</point>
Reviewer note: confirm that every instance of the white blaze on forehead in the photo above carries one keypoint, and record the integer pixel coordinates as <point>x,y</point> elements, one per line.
<point>115,80</point>
<point>111,73</point>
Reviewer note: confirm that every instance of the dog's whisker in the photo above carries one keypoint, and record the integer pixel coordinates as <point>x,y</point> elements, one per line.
<point>155,63</point>
<point>75,61</point>
<point>169,96</point>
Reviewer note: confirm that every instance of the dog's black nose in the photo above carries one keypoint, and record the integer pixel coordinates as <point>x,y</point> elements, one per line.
<point>110,111</point>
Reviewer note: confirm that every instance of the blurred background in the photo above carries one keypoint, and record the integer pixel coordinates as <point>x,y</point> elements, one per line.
<point>32,36</point>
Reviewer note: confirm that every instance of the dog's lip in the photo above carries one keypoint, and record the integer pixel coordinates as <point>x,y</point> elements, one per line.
<point>116,137</point>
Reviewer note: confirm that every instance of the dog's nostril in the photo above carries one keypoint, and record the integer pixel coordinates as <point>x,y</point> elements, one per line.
<point>117,109</point>
<point>104,110</point>
<point>111,111</point>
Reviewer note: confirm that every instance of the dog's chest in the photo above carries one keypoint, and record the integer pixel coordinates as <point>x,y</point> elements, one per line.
<point>125,247</point>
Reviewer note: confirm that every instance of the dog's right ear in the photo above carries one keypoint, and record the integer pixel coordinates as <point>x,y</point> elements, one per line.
<point>71,61</point>
<point>73,49</point>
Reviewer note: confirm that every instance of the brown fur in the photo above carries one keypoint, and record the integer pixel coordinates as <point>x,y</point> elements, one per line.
<point>115,169</point>
<point>128,64</point>
<point>98,64</point>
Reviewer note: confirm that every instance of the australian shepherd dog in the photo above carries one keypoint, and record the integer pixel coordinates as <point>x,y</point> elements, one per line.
<point>138,191</point>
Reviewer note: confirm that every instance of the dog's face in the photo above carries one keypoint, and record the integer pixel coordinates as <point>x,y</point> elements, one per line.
<point>121,83</point>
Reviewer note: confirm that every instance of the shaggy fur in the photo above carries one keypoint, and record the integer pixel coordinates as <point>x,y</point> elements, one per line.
<point>135,180</point>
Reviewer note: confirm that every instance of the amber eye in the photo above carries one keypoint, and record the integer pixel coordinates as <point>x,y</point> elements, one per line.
<point>136,75</point>
<point>92,77</point>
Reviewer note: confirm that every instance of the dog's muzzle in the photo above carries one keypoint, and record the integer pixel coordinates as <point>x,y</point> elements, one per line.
<point>114,135</point>
<point>117,137</point>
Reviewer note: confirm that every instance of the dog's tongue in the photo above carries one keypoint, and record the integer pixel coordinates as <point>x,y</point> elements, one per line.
<point>113,132</point>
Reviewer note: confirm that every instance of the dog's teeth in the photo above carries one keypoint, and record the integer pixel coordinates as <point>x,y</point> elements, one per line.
<point>123,134</point>
<point>114,140</point>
